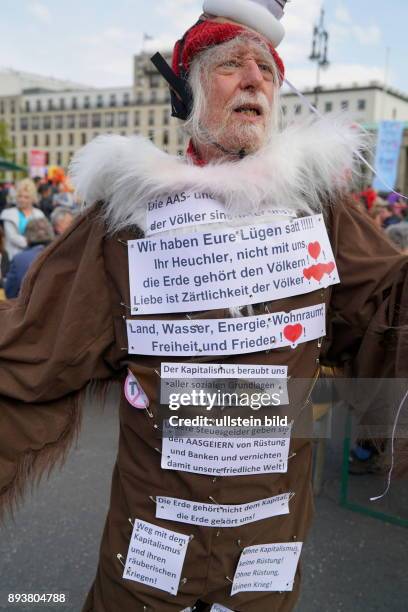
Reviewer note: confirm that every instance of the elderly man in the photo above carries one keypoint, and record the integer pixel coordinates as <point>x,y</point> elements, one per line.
<point>216,265</point>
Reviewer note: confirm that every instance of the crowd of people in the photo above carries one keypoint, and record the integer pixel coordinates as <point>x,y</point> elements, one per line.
<point>389,211</point>
<point>32,214</point>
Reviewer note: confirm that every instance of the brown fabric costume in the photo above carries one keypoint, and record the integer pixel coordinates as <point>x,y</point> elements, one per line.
<point>67,328</point>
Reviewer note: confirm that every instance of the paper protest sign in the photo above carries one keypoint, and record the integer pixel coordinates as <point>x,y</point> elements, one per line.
<point>170,370</point>
<point>220,515</point>
<point>155,556</point>
<point>234,386</point>
<point>229,267</point>
<point>227,392</point>
<point>225,455</point>
<point>267,567</point>
<point>185,208</point>
<point>233,336</point>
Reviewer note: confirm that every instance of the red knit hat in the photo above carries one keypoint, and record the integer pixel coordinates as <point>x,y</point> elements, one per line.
<point>206,34</point>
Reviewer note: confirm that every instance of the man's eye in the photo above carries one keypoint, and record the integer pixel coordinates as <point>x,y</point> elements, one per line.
<point>230,64</point>
<point>265,68</point>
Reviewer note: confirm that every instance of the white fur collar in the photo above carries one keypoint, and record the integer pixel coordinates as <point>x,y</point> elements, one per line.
<point>303,167</point>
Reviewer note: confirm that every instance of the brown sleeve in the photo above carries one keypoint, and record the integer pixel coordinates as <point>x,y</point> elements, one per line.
<point>368,312</point>
<point>54,339</point>
<point>58,335</point>
<point>368,330</point>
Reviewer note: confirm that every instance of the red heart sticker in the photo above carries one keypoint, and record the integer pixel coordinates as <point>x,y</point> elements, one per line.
<point>315,272</point>
<point>314,249</point>
<point>293,332</point>
<point>318,271</point>
<point>307,272</point>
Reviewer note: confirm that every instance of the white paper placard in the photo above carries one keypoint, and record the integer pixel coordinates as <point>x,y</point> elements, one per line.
<point>238,381</point>
<point>233,336</point>
<point>230,267</point>
<point>221,370</point>
<point>208,393</point>
<point>155,556</point>
<point>223,455</point>
<point>267,567</point>
<point>185,208</point>
<point>219,608</point>
<point>220,515</point>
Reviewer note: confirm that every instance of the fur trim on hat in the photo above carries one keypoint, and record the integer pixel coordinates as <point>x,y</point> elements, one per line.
<point>208,34</point>
<point>305,166</point>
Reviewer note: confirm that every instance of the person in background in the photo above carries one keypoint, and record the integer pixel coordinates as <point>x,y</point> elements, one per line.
<point>398,234</point>
<point>358,202</point>
<point>61,219</point>
<point>4,260</point>
<point>369,197</point>
<point>63,197</point>
<point>11,194</point>
<point>3,196</point>
<point>15,219</point>
<point>38,234</point>
<point>380,212</point>
<point>398,210</point>
<point>37,180</point>
<point>45,202</point>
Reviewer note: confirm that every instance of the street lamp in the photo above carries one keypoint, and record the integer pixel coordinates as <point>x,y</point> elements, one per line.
<point>320,45</point>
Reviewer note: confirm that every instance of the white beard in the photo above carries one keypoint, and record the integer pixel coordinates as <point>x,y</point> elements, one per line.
<point>233,134</point>
<point>239,136</point>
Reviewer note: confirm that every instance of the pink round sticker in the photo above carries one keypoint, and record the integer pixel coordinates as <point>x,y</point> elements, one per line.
<point>134,392</point>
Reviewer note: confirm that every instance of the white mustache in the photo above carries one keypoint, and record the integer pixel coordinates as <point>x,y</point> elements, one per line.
<point>259,99</point>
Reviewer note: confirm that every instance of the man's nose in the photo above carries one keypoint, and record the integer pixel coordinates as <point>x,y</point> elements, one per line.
<point>251,75</point>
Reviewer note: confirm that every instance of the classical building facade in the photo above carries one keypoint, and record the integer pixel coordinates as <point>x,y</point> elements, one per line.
<point>55,117</point>
<point>367,104</point>
<point>59,117</point>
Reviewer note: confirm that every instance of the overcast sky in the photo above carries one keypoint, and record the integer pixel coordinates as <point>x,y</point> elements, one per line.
<point>92,41</point>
